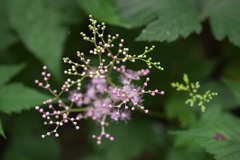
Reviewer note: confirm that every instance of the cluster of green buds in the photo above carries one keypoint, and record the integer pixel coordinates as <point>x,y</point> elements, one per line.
<point>192,89</point>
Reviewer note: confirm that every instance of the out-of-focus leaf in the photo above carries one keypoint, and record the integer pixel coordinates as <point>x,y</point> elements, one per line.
<point>224,19</point>
<point>102,10</point>
<point>7,38</point>
<point>176,108</point>
<point>187,153</point>
<point>9,71</point>
<point>39,27</point>
<point>225,98</point>
<point>70,11</point>
<point>234,86</point>
<point>144,136</point>
<point>219,137</point>
<point>25,142</point>
<point>135,12</point>
<point>1,129</point>
<point>16,97</point>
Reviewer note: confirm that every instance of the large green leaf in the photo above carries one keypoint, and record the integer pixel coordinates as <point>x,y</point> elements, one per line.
<point>135,12</point>
<point>39,27</point>
<point>224,19</point>
<point>9,71</point>
<point>1,129</point>
<point>166,19</point>
<point>7,38</point>
<point>176,18</point>
<point>102,10</point>
<point>234,86</point>
<point>16,97</point>
<point>177,109</point>
<point>220,136</point>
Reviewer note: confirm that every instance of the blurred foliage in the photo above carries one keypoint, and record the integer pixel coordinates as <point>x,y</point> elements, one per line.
<point>41,32</point>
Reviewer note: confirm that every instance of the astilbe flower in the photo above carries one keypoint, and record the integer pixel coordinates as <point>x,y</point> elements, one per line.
<point>103,101</point>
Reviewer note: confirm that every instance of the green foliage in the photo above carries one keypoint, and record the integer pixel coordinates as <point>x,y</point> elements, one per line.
<point>9,71</point>
<point>176,109</point>
<point>218,135</point>
<point>15,97</point>
<point>107,12</point>
<point>26,130</point>
<point>39,28</point>
<point>34,33</point>
<point>234,86</point>
<point>192,89</point>
<point>7,38</point>
<point>138,137</point>
<point>224,19</point>
<point>167,20</point>
<point>1,129</point>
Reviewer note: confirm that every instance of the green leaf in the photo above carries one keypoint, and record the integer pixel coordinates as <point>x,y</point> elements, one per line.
<point>9,71</point>
<point>167,19</point>
<point>177,18</point>
<point>102,10</point>
<point>16,97</point>
<point>176,108</point>
<point>1,129</point>
<point>135,12</point>
<point>7,37</point>
<point>224,19</point>
<point>70,11</point>
<point>219,137</point>
<point>225,98</point>
<point>39,27</point>
<point>234,86</point>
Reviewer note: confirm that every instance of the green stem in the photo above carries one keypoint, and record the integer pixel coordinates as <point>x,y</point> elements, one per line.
<point>111,83</point>
<point>75,110</point>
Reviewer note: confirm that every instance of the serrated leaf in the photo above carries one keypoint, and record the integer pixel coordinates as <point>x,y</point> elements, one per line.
<point>7,38</point>
<point>1,129</point>
<point>234,86</point>
<point>224,19</point>
<point>175,18</point>
<point>102,10</point>
<point>9,71</point>
<point>39,27</point>
<point>220,137</point>
<point>16,97</point>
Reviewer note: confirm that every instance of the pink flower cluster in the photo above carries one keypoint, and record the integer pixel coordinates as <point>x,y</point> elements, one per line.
<point>99,102</point>
<point>102,101</point>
